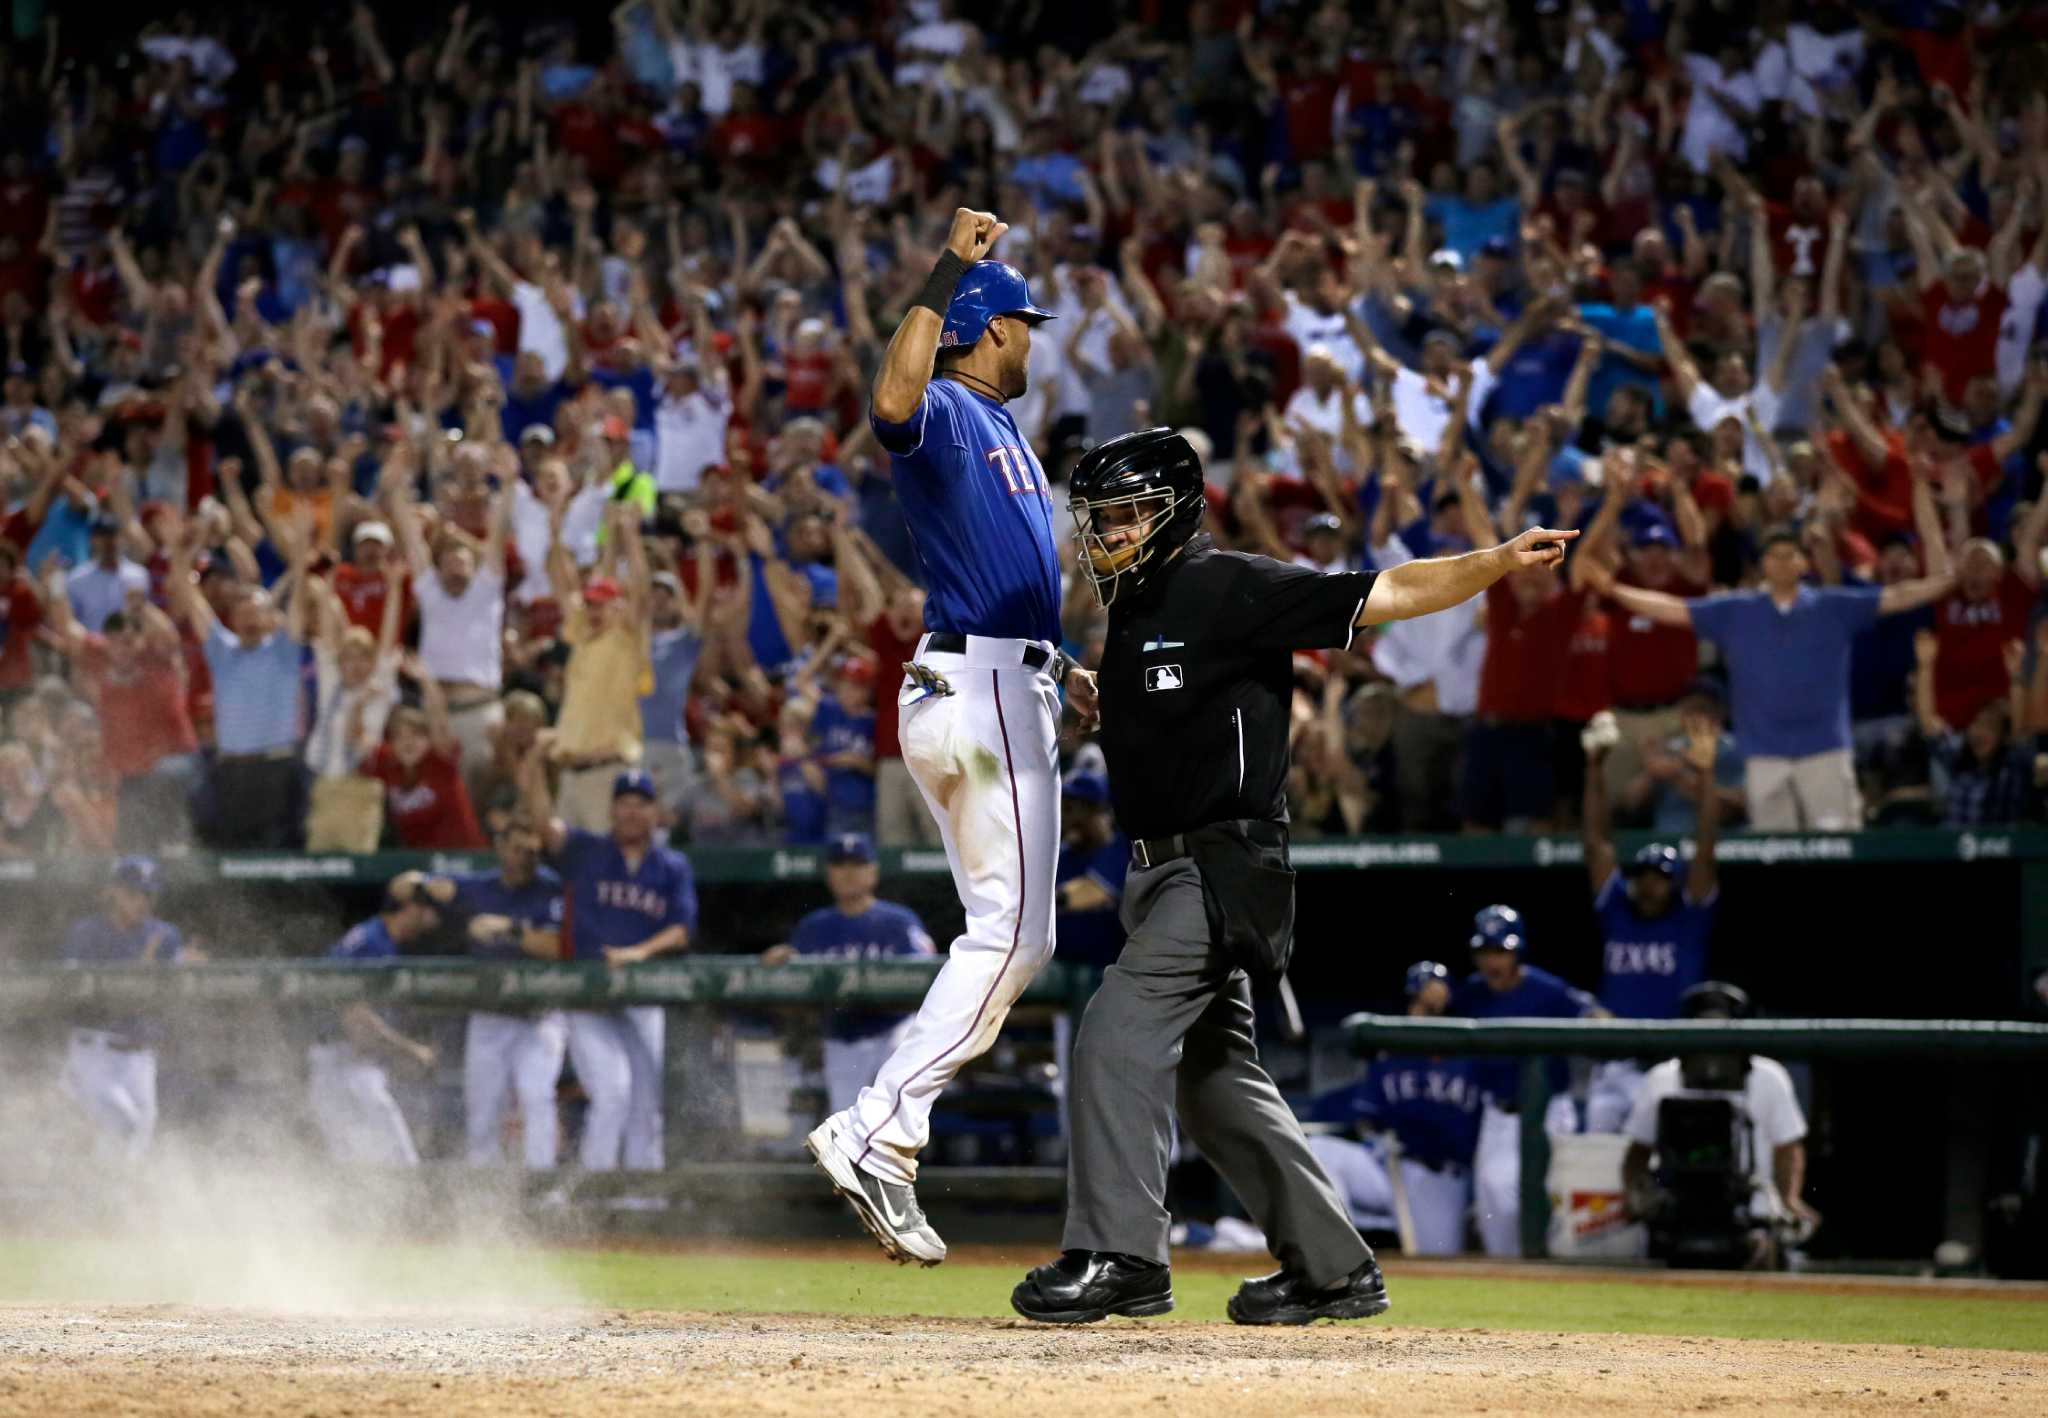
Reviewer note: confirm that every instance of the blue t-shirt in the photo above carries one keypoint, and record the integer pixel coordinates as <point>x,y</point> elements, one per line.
<point>1093,937</point>
<point>675,654</point>
<point>1539,995</point>
<point>1534,377</point>
<point>1431,1105</point>
<point>1647,962</point>
<point>1788,671</point>
<point>803,807</point>
<point>837,731</point>
<point>538,903</point>
<point>1470,225</point>
<point>975,499</point>
<point>517,413</point>
<point>772,650</point>
<point>611,905</point>
<point>884,931</point>
<point>1635,327</point>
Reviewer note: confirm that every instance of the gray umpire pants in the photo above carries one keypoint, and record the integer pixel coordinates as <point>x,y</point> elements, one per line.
<point>1170,1031</point>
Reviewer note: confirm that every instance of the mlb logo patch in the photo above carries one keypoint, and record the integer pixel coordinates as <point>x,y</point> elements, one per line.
<point>1163,677</point>
<point>948,337</point>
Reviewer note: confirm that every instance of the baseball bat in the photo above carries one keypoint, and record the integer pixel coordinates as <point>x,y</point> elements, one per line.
<point>1404,1218</point>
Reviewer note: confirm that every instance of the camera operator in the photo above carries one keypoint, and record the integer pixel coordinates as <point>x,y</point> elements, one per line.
<point>1710,1198</point>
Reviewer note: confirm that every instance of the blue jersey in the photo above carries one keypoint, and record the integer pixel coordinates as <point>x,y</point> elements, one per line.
<point>980,515</point>
<point>1646,963</point>
<point>610,905</point>
<point>1093,937</point>
<point>1539,995</point>
<point>846,789</point>
<point>883,931</point>
<point>1431,1105</point>
<point>369,940</point>
<point>538,903</point>
<point>98,941</point>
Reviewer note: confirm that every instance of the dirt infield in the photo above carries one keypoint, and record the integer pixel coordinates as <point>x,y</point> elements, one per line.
<point>145,1360</point>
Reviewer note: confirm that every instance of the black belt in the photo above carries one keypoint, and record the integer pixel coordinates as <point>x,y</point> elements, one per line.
<point>945,642</point>
<point>1156,851</point>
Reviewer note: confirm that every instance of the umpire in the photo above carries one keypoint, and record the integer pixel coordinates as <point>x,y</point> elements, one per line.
<point>1196,687</point>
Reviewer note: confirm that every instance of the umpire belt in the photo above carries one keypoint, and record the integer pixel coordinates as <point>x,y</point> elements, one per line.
<point>987,651</point>
<point>1157,851</point>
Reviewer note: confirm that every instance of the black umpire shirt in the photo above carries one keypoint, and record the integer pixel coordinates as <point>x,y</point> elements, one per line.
<point>1197,681</point>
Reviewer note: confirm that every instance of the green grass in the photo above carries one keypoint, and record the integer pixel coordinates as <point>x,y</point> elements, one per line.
<point>81,1272</point>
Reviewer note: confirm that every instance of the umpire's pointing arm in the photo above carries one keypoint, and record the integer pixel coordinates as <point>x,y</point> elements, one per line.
<point>1419,587</point>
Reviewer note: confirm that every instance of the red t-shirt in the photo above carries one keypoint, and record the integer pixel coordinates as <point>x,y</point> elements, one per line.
<point>429,810</point>
<point>805,380</point>
<point>1518,680</point>
<point>1884,494</point>
<point>1798,244</point>
<point>1587,685</point>
<point>362,596</point>
<point>143,716</point>
<point>1970,671</point>
<point>1652,664</point>
<point>1961,339</point>
<point>1308,102</point>
<point>20,614</point>
<point>891,653</point>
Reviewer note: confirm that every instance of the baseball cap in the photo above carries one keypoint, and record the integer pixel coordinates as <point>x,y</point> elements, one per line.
<point>1440,337</point>
<point>138,873</point>
<point>1323,522</point>
<point>371,532</point>
<point>850,847</point>
<point>538,433</point>
<point>1445,256</point>
<point>857,668</point>
<point>1086,788</point>
<point>634,781</point>
<point>1654,534</point>
<point>614,427</point>
<point>600,589</point>
<point>104,527</point>
<point>668,581</point>
<point>483,327</point>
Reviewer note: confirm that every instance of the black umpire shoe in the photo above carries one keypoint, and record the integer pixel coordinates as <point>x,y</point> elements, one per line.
<point>1282,1298</point>
<point>1082,1287</point>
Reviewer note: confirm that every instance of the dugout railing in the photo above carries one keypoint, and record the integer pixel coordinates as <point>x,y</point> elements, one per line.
<point>1537,1040</point>
<point>221,997</point>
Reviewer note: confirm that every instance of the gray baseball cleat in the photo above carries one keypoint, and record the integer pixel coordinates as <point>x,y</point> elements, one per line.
<point>888,1209</point>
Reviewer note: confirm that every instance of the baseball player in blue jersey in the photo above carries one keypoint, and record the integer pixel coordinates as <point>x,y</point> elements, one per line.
<point>110,1060</point>
<point>979,705</point>
<point>1505,986</point>
<point>1653,932</point>
<point>855,926</point>
<point>348,1088</point>
<point>514,913</point>
<point>631,898</point>
<point>1430,1107</point>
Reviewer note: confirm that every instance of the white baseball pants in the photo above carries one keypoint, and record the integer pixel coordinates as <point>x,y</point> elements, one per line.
<point>117,1089</point>
<point>986,759</point>
<point>350,1096</point>
<point>1497,1171</point>
<point>1437,1201</point>
<point>617,1053</point>
<point>506,1056</point>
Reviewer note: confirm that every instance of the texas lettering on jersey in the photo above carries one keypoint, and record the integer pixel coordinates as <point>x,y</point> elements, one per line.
<point>627,896</point>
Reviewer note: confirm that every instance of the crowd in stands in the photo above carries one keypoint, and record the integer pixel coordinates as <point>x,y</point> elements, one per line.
<point>391,394</point>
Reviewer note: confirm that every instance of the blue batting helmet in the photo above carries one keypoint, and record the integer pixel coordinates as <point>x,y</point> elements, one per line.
<point>1657,857</point>
<point>1499,928</point>
<point>138,873</point>
<point>989,289</point>
<point>1422,972</point>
